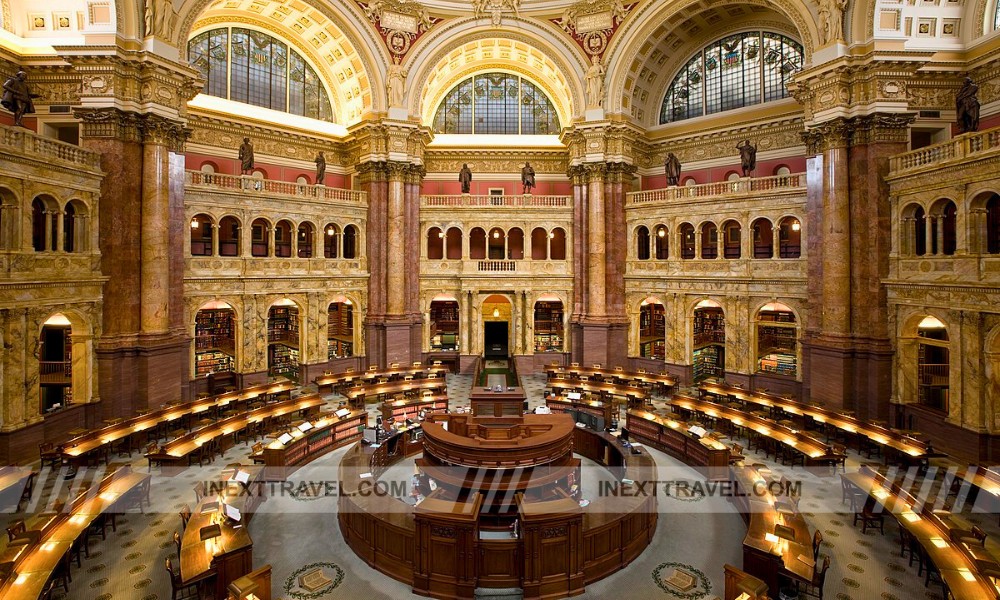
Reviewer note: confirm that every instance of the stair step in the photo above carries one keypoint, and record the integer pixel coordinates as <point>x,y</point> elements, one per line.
<point>499,594</point>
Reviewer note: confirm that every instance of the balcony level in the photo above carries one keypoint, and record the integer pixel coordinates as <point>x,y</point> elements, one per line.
<point>250,186</point>
<point>976,145</point>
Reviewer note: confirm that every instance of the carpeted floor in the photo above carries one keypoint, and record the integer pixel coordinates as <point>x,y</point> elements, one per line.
<point>299,533</point>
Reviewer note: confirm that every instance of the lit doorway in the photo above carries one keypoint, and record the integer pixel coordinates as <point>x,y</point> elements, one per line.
<point>496,327</point>
<point>709,355</point>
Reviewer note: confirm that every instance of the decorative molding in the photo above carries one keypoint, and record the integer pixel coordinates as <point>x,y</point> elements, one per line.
<point>109,123</point>
<point>399,23</point>
<point>592,23</point>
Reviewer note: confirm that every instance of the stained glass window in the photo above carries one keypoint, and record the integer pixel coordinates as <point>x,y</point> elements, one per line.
<point>497,103</point>
<point>248,66</point>
<point>736,71</point>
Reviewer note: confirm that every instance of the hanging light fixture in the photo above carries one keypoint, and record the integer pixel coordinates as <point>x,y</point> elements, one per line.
<point>330,231</point>
<point>796,226</point>
<point>194,223</point>
<point>496,312</point>
<point>496,234</point>
<point>661,232</point>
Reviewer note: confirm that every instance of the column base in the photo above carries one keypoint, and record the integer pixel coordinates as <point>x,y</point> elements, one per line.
<point>600,342</point>
<point>148,374</point>
<point>849,374</point>
<point>393,341</point>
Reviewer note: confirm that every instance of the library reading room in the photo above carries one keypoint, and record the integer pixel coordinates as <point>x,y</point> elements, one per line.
<point>500,299</point>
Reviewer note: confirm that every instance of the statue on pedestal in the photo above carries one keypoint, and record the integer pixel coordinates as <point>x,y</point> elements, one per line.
<point>465,178</point>
<point>673,169</point>
<point>748,156</point>
<point>967,107</point>
<point>320,168</point>
<point>17,97</point>
<point>527,178</point>
<point>396,79</point>
<point>595,83</point>
<point>246,156</point>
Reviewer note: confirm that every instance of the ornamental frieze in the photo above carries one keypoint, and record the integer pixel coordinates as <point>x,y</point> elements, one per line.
<point>777,136</point>
<point>592,23</point>
<point>494,161</point>
<point>399,23</point>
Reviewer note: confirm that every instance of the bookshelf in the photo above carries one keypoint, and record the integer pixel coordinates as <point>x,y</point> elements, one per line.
<point>652,331</point>
<point>548,327</point>
<point>214,341</point>
<point>283,360</point>
<point>340,331</point>
<point>708,359</point>
<point>708,362</point>
<point>444,325</point>
<point>776,343</point>
<point>212,361</point>
<point>283,325</point>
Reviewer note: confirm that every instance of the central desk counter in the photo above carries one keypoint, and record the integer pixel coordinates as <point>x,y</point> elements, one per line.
<point>584,544</point>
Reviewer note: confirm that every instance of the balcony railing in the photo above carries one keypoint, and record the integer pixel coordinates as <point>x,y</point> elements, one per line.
<point>55,371</point>
<point>497,266</point>
<point>253,186</point>
<point>528,200</point>
<point>756,185</point>
<point>969,144</point>
<point>22,142</point>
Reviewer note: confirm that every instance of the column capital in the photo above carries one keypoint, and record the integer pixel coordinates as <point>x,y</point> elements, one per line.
<point>372,172</point>
<point>620,172</point>
<point>109,122</point>
<point>882,127</point>
<point>831,134</point>
<point>415,174</point>
<point>397,171</point>
<point>165,132</point>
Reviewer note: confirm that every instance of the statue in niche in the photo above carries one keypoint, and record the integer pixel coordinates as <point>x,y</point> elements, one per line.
<point>320,168</point>
<point>966,107</point>
<point>527,178</point>
<point>17,97</point>
<point>246,156</point>
<point>673,169</point>
<point>465,178</point>
<point>395,84</point>
<point>831,19</point>
<point>595,83</point>
<point>748,156</point>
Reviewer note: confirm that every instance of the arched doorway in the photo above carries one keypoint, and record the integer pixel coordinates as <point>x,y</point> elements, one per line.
<point>444,322</point>
<point>496,327</point>
<point>283,340</point>
<point>777,340</point>
<point>548,328</point>
<point>708,357</point>
<point>340,329</point>
<point>933,364</point>
<point>652,330</point>
<point>214,339</point>
<point>55,363</point>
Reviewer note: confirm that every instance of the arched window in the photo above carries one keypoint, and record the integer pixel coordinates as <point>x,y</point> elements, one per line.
<point>38,225</point>
<point>260,238</point>
<point>497,103</point>
<point>642,243</point>
<point>515,244</point>
<point>69,228</point>
<point>993,225</point>
<point>435,243</point>
<point>661,243</point>
<point>331,241</point>
<point>557,244</point>
<point>248,66</point>
<point>496,241</point>
<point>453,241</point>
<point>283,239</point>
<point>350,241</point>
<point>789,238</point>
<point>340,330</point>
<point>943,216</point>
<point>652,330</point>
<point>763,239</point>
<point>919,231</point>
<point>731,239</point>
<point>305,239</point>
<point>539,244</point>
<point>738,70</point>
<point>933,364</point>
<point>229,237</point>
<point>709,240</point>
<point>686,233</point>
<point>201,235</point>
<point>477,244</point>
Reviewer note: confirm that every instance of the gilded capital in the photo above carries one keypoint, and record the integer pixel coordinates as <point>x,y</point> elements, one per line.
<point>882,128</point>
<point>167,132</point>
<point>109,122</point>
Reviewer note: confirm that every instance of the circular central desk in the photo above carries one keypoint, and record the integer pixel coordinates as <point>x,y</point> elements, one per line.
<point>461,537</point>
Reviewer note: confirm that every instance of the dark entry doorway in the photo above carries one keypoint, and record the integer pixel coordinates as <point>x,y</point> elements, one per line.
<point>495,339</point>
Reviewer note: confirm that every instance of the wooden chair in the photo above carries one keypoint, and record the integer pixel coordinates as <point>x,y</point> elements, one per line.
<point>29,490</point>
<point>50,455</point>
<point>736,453</point>
<point>815,587</point>
<point>841,459</point>
<point>15,529</point>
<point>177,542</point>
<point>869,517</point>
<point>257,453</point>
<point>177,586</point>
<point>185,514</point>
<point>817,544</point>
<point>849,491</point>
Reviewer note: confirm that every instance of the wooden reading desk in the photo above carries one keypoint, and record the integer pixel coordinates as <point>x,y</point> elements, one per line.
<point>634,393</point>
<point>357,394</point>
<point>658,382</point>
<point>334,381</point>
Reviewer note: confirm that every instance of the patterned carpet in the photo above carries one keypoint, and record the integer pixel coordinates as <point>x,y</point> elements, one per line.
<point>298,534</point>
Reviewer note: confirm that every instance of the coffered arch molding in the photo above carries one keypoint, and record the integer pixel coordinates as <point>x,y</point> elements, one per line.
<point>556,64</point>
<point>345,16</point>
<point>631,43</point>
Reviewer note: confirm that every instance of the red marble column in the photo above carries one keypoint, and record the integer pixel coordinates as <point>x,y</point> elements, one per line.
<point>373,179</point>
<point>580,279</point>
<point>616,249</point>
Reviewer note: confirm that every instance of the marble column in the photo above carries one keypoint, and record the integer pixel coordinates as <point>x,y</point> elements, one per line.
<point>373,179</point>
<point>395,240</point>
<point>578,308</point>
<point>836,249</point>
<point>596,241</point>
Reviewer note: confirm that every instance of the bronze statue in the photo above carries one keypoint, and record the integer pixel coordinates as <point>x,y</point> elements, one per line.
<point>967,107</point>
<point>17,97</point>
<point>465,178</point>
<point>246,156</point>
<point>527,178</point>
<point>673,169</point>
<point>320,168</point>
<point>748,156</point>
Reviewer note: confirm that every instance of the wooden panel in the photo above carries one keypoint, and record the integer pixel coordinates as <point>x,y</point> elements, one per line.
<point>500,564</point>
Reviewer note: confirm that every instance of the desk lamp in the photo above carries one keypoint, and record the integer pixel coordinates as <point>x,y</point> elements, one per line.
<point>210,535</point>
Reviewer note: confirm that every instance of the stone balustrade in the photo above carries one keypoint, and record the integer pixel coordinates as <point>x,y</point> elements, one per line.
<point>956,149</point>
<point>519,201</point>
<point>22,142</point>
<point>245,184</point>
<point>747,186</point>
